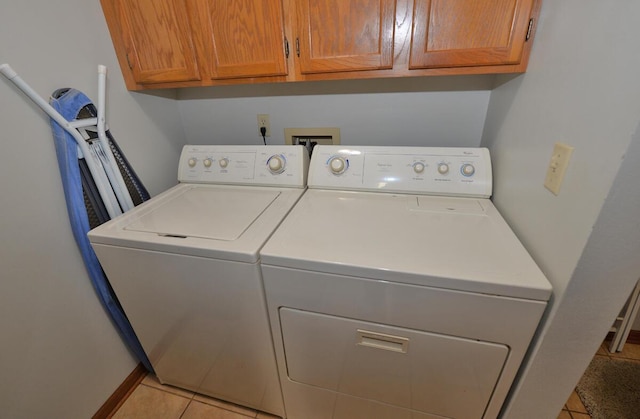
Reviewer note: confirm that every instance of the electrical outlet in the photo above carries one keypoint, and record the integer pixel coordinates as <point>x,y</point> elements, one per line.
<point>557,167</point>
<point>263,121</point>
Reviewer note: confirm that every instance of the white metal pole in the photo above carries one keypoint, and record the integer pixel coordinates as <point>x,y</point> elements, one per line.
<point>98,175</point>
<point>118,184</point>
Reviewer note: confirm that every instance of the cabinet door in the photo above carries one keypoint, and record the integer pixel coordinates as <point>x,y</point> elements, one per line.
<point>242,38</point>
<point>344,35</point>
<point>155,34</point>
<point>456,33</point>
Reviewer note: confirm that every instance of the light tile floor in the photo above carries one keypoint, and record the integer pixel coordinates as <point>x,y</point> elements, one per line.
<point>152,400</point>
<point>574,409</point>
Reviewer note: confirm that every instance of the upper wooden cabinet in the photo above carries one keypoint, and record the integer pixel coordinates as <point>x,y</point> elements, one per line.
<point>153,40</point>
<point>180,43</point>
<point>455,33</point>
<point>240,38</point>
<point>340,35</point>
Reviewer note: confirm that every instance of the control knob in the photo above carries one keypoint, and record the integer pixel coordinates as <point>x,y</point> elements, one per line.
<point>276,164</point>
<point>338,165</point>
<point>467,169</point>
<point>443,168</point>
<point>224,162</point>
<point>207,162</point>
<point>418,167</point>
<point>192,162</point>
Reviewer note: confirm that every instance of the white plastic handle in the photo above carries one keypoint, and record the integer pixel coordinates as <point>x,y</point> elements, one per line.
<point>7,71</point>
<point>98,175</point>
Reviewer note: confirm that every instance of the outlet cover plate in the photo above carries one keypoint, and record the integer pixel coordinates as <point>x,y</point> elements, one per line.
<point>263,121</point>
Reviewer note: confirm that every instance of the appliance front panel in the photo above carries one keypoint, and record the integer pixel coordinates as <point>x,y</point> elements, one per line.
<point>202,322</point>
<point>425,372</point>
<point>508,322</point>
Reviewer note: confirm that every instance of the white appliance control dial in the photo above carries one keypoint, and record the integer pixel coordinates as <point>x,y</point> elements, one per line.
<point>418,167</point>
<point>207,162</point>
<point>192,162</point>
<point>443,168</point>
<point>277,164</point>
<point>338,165</point>
<point>223,162</point>
<point>467,169</point>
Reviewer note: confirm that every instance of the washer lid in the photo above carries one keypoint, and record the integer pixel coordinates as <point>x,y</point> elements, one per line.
<point>213,221</point>
<point>223,215</point>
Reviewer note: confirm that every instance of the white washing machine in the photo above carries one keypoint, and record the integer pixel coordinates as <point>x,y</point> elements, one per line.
<point>397,291</point>
<point>185,267</point>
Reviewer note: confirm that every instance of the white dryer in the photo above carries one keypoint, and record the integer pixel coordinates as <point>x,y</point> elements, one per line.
<point>185,267</point>
<point>397,291</point>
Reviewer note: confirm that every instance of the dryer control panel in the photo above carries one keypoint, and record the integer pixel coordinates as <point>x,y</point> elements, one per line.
<point>453,171</point>
<point>270,165</point>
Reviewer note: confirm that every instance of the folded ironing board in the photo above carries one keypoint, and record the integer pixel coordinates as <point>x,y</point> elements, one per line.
<point>98,181</point>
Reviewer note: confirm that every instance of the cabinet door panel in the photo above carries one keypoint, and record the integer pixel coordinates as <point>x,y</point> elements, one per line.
<point>243,38</point>
<point>156,36</point>
<point>341,35</point>
<point>451,33</point>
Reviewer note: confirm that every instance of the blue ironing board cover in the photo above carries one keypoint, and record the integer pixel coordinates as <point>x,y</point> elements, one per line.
<point>70,104</point>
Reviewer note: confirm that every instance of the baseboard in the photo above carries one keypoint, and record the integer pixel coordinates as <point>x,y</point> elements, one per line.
<point>122,392</point>
<point>634,337</point>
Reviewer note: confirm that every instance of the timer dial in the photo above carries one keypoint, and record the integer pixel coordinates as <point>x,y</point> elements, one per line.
<point>276,164</point>
<point>467,170</point>
<point>338,165</point>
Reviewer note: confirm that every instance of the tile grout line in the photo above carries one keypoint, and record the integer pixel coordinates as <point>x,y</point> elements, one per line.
<point>192,399</point>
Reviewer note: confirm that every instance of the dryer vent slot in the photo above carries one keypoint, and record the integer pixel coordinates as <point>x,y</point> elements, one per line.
<point>176,236</point>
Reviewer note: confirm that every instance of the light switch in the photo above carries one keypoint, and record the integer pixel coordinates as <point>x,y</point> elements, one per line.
<point>557,167</point>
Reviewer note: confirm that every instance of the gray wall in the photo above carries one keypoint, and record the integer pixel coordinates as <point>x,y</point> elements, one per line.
<point>439,111</point>
<point>60,356</point>
<point>581,88</point>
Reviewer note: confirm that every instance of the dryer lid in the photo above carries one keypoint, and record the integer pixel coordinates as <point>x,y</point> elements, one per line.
<point>205,213</point>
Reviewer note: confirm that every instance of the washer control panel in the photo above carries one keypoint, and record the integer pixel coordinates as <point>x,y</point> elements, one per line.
<point>456,171</point>
<point>273,165</point>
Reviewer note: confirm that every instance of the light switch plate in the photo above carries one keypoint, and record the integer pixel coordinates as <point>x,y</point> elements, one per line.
<point>557,167</point>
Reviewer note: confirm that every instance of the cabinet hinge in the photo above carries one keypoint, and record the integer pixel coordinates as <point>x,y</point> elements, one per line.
<point>529,30</point>
<point>286,47</point>
<point>298,47</point>
<point>129,62</point>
